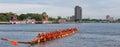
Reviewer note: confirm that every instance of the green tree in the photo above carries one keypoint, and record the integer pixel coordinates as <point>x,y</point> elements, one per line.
<point>23,16</point>
<point>8,17</point>
<point>51,19</point>
<point>35,16</point>
<point>58,18</point>
<point>5,17</point>
<point>85,19</point>
<point>118,20</point>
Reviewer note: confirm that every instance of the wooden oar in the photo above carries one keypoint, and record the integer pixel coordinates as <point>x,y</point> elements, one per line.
<point>15,42</point>
<point>25,42</point>
<point>12,41</point>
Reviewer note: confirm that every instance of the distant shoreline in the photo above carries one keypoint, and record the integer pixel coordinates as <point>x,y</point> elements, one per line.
<point>60,23</point>
<point>5,23</point>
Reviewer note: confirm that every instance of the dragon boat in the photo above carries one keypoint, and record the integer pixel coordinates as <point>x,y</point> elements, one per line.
<point>43,37</point>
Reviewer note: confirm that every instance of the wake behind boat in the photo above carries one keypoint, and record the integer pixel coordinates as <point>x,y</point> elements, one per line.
<point>43,37</point>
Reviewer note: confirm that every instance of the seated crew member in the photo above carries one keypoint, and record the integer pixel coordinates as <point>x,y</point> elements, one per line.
<point>37,39</point>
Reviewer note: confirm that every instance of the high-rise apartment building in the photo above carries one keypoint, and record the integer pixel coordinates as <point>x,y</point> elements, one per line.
<point>78,13</point>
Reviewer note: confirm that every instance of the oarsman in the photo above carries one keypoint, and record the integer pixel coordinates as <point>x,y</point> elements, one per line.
<point>39,38</point>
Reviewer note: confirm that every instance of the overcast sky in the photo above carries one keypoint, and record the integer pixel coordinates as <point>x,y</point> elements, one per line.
<point>91,8</point>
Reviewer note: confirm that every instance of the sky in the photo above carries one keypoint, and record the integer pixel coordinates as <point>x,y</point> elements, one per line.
<point>97,9</point>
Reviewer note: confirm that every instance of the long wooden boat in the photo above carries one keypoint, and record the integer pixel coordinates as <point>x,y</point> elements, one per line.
<point>43,37</point>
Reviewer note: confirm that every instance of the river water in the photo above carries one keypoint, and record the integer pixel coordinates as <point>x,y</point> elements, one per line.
<point>89,35</point>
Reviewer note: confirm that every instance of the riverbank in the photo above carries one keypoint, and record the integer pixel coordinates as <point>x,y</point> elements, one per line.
<point>52,23</point>
<point>5,23</point>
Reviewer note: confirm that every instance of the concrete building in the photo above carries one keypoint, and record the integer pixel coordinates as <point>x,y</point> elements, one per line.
<point>78,13</point>
<point>72,18</point>
<point>109,18</point>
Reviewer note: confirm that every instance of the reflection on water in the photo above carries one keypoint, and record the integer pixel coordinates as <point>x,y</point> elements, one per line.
<point>89,35</point>
<point>43,44</point>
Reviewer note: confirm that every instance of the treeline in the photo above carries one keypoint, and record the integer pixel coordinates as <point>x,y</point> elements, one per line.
<point>96,20</point>
<point>5,16</point>
<point>36,16</point>
<point>118,20</point>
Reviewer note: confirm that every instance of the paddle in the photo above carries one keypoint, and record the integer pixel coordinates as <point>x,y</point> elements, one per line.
<point>13,42</point>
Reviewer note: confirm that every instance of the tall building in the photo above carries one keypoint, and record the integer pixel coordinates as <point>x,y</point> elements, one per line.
<point>78,13</point>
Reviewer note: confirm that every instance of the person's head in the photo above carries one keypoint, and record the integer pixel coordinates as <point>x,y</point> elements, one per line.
<point>39,34</point>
